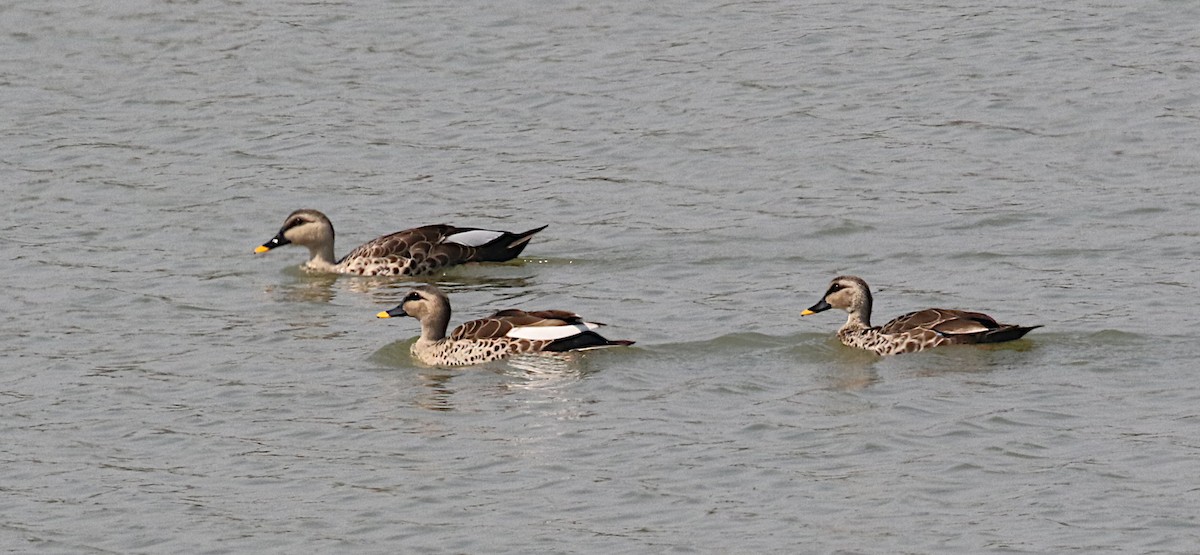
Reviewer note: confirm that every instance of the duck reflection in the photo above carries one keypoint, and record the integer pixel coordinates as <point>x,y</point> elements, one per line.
<point>322,287</point>
<point>545,371</point>
<point>551,376</point>
<point>305,287</point>
<point>436,393</point>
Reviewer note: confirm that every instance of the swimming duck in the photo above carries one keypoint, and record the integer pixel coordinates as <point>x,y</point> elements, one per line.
<point>415,251</point>
<point>505,333</point>
<point>911,332</point>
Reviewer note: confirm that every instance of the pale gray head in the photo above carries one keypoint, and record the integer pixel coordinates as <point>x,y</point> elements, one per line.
<point>308,228</point>
<point>427,304</point>
<point>848,293</point>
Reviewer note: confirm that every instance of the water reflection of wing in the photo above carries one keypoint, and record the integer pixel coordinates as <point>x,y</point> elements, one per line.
<point>543,371</point>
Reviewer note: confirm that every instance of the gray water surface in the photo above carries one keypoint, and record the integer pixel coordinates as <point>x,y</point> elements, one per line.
<point>705,169</point>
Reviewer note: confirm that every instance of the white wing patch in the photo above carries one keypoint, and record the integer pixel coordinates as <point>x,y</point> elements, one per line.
<point>474,238</point>
<point>540,333</point>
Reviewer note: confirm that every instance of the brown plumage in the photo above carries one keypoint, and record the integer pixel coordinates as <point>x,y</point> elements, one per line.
<point>504,333</point>
<point>502,322</point>
<point>910,332</point>
<point>415,251</point>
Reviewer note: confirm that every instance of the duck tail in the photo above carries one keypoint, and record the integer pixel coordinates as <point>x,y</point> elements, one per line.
<point>1006,333</point>
<point>586,341</point>
<point>506,247</point>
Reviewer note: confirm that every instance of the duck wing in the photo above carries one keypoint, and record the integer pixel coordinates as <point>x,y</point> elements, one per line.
<point>955,326</point>
<point>943,321</point>
<point>539,317</point>
<point>435,246</point>
<point>483,328</point>
<point>540,325</point>
<point>404,244</point>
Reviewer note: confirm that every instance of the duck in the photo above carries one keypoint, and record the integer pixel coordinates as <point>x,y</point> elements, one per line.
<point>503,334</point>
<point>912,332</point>
<point>416,251</point>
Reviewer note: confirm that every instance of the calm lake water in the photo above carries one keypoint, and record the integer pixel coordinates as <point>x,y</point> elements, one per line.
<point>705,168</point>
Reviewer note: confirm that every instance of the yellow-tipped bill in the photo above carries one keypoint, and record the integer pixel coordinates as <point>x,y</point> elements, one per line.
<point>261,249</point>
<point>383,314</point>
<point>807,312</point>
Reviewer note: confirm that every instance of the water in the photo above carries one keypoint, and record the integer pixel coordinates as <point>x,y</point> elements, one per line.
<point>705,169</point>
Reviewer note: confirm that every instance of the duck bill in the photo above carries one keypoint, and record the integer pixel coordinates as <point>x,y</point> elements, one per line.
<point>819,307</point>
<point>397,312</point>
<point>276,241</point>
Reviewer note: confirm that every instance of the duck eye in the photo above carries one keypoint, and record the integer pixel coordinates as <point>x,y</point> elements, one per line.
<point>412,297</point>
<point>834,288</point>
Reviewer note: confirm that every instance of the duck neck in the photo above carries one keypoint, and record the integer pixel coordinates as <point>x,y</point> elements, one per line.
<point>321,256</point>
<point>859,319</point>
<point>433,328</point>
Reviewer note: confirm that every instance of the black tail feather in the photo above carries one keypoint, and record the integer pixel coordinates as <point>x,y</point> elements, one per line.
<point>585,340</point>
<point>1006,333</point>
<point>506,247</point>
